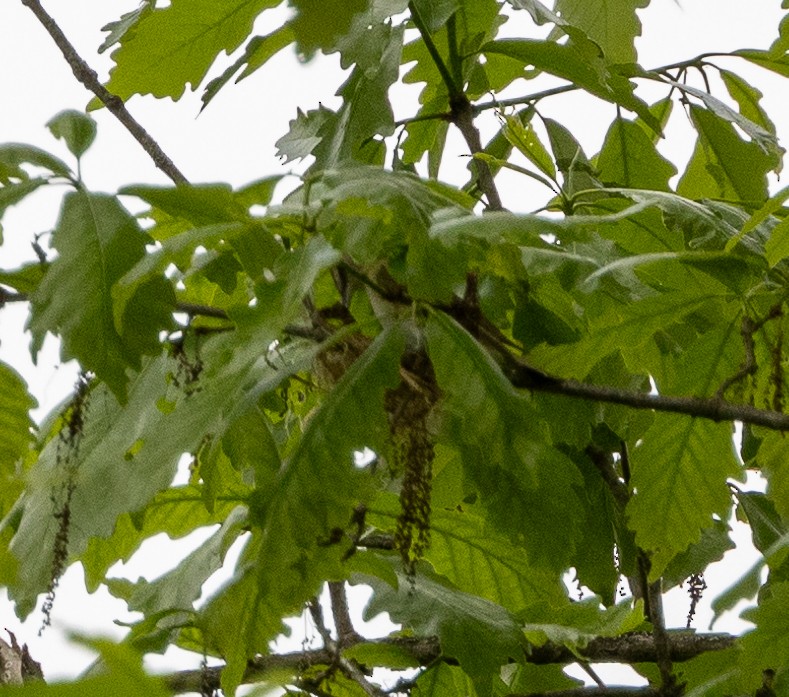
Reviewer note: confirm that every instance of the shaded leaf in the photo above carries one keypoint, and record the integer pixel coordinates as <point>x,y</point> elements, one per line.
<point>679,476</point>
<point>477,560</point>
<point>98,241</point>
<point>315,494</point>
<point>482,636</point>
<point>723,165</point>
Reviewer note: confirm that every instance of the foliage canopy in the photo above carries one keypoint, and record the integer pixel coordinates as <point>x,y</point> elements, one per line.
<point>384,379</point>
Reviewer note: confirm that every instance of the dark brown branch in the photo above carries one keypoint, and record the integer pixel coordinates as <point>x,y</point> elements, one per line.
<point>636,647</point>
<point>595,692</point>
<point>88,77</point>
<point>7,296</point>
<point>203,310</point>
<point>463,118</point>
<point>523,376</point>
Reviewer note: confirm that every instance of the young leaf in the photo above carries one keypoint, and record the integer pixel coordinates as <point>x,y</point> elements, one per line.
<point>174,46</point>
<point>181,587</point>
<point>14,155</point>
<point>319,24</point>
<point>523,137</point>
<point>257,52</point>
<point>77,130</point>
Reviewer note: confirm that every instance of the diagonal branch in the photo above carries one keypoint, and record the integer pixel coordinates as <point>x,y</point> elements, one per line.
<point>88,77</point>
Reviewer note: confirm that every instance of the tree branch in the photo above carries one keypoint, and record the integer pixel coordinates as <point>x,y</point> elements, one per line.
<point>637,647</point>
<point>595,692</point>
<point>346,634</point>
<point>88,77</point>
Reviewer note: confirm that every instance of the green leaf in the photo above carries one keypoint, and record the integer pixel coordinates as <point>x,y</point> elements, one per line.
<point>629,158</point>
<point>204,204</point>
<point>120,27</point>
<point>76,129</point>
<point>767,646</point>
<point>724,165</point>
<point>713,674</point>
<point>257,52</point>
<point>765,59</point>
<point>777,248</point>
<point>443,680</point>
<point>170,47</point>
<point>13,193</point>
<point>523,137</point>
<point>745,588</point>
<point>770,458</point>
<point>98,242</point>
<point>679,475</point>
<point>319,24</point>
<point>775,243</point>
<point>435,13</point>
<point>25,279</point>
<point>576,624</point>
<point>512,468</point>
<point>14,155</point>
<point>16,433</point>
<point>611,24</point>
<point>759,135</point>
<point>482,636</point>
<point>304,134</point>
<point>477,560</point>
<point>181,587</point>
<point>714,543</point>
<point>580,62</point>
<point>748,100</point>
<point>528,678</point>
<point>175,512</point>
<point>178,250</point>
<point>315,494</point>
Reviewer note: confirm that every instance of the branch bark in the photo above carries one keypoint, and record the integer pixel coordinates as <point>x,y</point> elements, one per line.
<point>88,77</point>
<point>637,647</point>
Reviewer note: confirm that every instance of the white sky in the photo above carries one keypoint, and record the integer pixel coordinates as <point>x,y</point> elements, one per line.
<point>233,141</point>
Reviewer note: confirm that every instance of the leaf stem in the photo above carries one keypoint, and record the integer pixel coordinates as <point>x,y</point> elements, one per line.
<point>453,89</point>
<point>88,77</point>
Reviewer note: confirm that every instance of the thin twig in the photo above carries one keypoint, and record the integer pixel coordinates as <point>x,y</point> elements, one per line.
<point>523,376</point>
<point>432,49</point>
<point>88,77</point>
<point>194,309</point>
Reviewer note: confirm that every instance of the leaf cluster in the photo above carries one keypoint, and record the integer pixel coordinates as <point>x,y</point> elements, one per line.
<point>381,378</point>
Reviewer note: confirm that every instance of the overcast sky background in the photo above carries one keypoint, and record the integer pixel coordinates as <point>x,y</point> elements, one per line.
<point>233,141</point>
